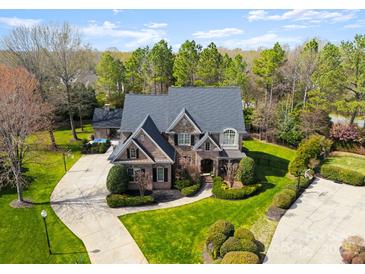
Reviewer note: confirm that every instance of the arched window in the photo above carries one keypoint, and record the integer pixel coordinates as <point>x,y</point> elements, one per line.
<point>229,137</point>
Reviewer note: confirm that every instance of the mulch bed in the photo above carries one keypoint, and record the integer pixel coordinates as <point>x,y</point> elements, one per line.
<point>27,203</point>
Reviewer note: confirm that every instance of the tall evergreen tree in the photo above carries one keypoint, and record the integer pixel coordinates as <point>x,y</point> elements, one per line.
<point>136,65</point>
<point>186,62</point>
<point>209,66</point>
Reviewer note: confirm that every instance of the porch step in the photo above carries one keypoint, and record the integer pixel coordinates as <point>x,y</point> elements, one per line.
<point>208,179</point>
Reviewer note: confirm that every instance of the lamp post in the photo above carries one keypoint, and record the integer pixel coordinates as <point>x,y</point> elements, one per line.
<point>66,154</point>
<point>44,216</point>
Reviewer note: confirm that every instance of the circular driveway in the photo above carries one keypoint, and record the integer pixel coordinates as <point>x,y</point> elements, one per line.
<point>312,230</point>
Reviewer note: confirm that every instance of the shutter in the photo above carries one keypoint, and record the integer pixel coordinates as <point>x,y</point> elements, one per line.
<point>143,170</point>
<point>175,138</point>
<point>130,174</point>
<point>137,153</point>
<point>166,174</point>
<point>154,174</point>
<point>192,140</point>
<point>128,154</point>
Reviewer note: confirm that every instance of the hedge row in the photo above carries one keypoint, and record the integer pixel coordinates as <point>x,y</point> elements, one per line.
<point>284,198</point>
<point>191,190</point>
<point>117,200</point>
<point>95,148</point>
<point>220,190</point>
<point>343,175</point>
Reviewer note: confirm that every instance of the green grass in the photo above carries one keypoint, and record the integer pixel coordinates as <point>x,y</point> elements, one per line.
<point>349,162</point>
<point>22,231</point>
<point>177,235</point>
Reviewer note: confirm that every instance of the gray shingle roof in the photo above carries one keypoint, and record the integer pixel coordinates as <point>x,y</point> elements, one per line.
<point>103,118</point>
<point>150,128</point>
<point>213,109</point>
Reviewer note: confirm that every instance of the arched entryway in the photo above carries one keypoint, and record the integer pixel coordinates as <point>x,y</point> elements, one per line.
<point>206,165</point>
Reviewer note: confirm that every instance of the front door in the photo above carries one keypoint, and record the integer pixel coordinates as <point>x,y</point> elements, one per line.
<point>206,165</point>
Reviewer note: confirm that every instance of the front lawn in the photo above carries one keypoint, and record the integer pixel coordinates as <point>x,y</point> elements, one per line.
<point>177,235</point>
<point>347,160</point>
<point>22,231</point>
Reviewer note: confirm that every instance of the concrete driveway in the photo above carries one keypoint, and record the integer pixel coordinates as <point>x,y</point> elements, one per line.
<point>79,201</point>
<point>312,230</point>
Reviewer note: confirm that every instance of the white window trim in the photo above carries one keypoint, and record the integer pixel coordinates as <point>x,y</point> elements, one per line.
<point>134,152</point>
<point>163,174</point>
<point>235,143</point>
<point>207,144</point>
<point>182,137</point>
<point>134,170</point>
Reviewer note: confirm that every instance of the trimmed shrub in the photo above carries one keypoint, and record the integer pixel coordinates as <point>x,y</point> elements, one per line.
<point>246,171</point>
<point>220,190</point>
<point>191,190</point>
<point>250,246</point>
<point>232,244</point>
<point>214,243</point>
<point>95,147</point>
<point>240,257</point>
<point>217,261</point>
<point>117,200</point>
<point>284,198</point>
<point>222,226</point>
<point>343,175</point>
<point>183,183</point>
<point>117,180</point>
<point>244,234</point>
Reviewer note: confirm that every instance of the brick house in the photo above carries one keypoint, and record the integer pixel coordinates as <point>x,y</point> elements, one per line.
<point>200,126</point>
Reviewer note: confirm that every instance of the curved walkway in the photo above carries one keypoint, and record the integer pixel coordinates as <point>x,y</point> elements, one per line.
<point>312,230</point>
<point>79,201</point>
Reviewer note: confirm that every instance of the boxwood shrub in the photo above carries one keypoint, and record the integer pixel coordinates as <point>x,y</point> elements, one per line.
<point>214,243</point>
<point>343,175</point>
<point>191,190</point>
<point>240,257</point>
<point>222,226</point>
<point>232,244</point>
<point>244,234</point>
<point>250,246</point>
<point>284,198</point>
<point>183,183</point>
<point>118,200</point>
<point>246,171</point>
<point>117,180</point>
<point>220,190</point>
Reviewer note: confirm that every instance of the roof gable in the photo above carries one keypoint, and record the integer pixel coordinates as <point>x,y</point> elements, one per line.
<point>183,114</point>
<point>205,138</point>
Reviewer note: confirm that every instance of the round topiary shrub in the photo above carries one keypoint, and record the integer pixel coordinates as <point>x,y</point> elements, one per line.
<point>246,171</point>
<point>244,234</point>
<point>222,226</point>
<point>232,244</point>
<point>214,243</point>
<point>117,180</point>
<point>284,198</point>
<point>240,257</point>
<point>249,246</point>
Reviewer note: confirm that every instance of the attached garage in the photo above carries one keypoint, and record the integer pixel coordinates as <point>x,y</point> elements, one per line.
<point>106,122</point>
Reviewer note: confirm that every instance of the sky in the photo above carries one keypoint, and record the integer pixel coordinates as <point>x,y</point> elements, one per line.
<point>247,29</point>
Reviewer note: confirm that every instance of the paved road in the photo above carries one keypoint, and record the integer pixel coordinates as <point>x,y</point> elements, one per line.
<point>312,230</point>
<point>79,201</point>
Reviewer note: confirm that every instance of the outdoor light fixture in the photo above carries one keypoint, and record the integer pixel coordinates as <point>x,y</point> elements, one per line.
<point>44,216</point>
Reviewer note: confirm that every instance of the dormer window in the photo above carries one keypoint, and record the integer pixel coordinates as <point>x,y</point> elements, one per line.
<point>229,137</point>
<point>184,139</point>
<point>207,146</point>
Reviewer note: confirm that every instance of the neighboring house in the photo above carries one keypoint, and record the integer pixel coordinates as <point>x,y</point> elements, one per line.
<point>106,122</point>
<point>203,127</point>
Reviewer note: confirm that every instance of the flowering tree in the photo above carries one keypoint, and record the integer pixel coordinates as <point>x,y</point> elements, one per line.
<point>345,133</point>
<point>143,180</point>
<point>23,112</point>
<point>231,170</point>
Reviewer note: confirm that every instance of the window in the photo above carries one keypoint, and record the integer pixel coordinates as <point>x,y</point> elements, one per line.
<point>229,137</point>
<point>160,174</point>
<point>132,173</point>
<point>183,139</point>
<point>207,146</point>
<point>132,153</point>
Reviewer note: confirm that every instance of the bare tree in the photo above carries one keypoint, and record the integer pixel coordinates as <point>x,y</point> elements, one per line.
<point>23,112</point>
<point>24,47</point>
<point>143,180</point>
<point>69,61</point>
<point>231,170</point>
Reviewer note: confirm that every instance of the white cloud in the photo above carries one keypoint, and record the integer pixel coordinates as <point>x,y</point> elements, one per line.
<point>265,40</point>
<point>155,25</point>
<point>294,27</point>
<point>116,11</point>
<point>303,15</point>
<point>357,25</point>
<point>216,33</point>
<point>17,22</point>
<point>135,38</point>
